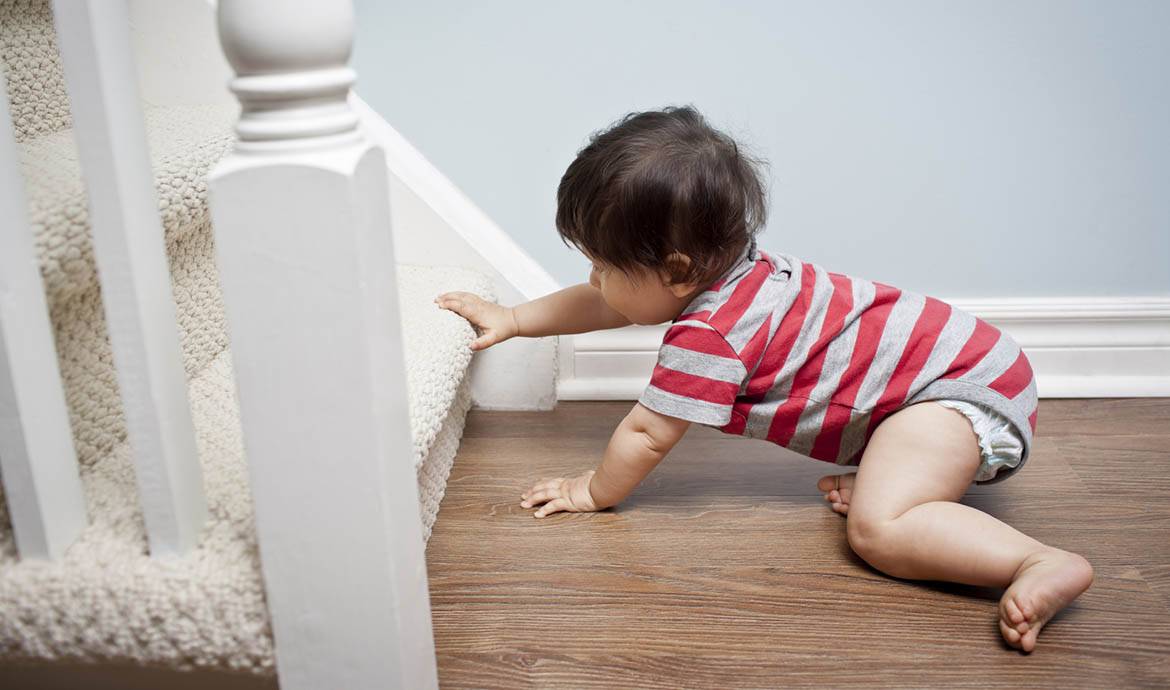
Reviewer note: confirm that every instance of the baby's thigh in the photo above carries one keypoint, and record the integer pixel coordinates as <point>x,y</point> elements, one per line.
<point>921,453</point>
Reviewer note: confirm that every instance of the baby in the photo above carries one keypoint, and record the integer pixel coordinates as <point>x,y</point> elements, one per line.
<point>923,398</point>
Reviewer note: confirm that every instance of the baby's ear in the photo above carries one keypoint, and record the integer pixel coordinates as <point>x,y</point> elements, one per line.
<point>676,264</point>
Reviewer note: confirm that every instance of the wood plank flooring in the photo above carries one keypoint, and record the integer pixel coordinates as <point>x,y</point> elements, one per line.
<point>726,569</point>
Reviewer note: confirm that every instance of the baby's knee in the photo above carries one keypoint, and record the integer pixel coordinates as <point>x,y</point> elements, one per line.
<point>871,537</point>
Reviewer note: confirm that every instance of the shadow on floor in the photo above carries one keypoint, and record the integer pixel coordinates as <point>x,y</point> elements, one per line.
<point>125,677</point>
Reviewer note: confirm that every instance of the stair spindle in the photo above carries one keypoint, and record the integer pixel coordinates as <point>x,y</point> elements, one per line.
<point>96,52</point>
<point>37,460</point>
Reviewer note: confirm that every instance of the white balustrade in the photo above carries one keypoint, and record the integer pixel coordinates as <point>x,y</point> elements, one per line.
<point>301,217</point>
<point>95,45</point>
<point>37,460</point>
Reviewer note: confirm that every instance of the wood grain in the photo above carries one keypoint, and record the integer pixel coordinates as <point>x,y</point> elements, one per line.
<point>726,569</point>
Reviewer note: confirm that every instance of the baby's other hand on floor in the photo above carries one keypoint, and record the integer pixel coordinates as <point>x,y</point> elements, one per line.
<point>569,495</point>
<point>494,323</point>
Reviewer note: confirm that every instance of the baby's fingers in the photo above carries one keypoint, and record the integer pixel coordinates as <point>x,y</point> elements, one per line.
<point>486,340</point>
<point>457,295</point>
<point>464,304</point>
<point>544,484</point>
<point>539,497</point>
<point>551,507</point>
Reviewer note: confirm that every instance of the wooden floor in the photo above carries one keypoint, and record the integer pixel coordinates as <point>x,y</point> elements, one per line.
<point>726,569</point>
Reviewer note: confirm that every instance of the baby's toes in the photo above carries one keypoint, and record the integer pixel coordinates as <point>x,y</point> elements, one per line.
<point>836,481</point>
<point>1010,612</point>
<point>838,499</point>
<point>1010,635</point>
<point>1028,640</point>
<point>839,496</point>
<point>1027,611</point>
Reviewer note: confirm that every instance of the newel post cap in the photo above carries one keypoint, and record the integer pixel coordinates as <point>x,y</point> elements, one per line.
<point>292,78</point>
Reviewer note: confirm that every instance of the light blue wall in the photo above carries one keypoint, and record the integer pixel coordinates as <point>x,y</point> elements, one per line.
<point>962,149</point>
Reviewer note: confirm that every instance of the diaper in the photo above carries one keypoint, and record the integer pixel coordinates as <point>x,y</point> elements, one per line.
<point>999,442</point>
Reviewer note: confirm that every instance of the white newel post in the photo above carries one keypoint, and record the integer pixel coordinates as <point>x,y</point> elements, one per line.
<point>302,230</point>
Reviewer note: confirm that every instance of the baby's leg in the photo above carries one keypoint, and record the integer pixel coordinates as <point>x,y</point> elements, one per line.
<point>904,521</point>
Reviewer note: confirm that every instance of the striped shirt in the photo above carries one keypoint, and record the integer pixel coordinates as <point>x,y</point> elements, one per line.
<point>783,350</point>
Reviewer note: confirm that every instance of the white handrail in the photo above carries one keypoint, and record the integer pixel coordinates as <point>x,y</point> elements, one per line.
<point>95,45</point>
<point>37,461</point>
<point>301,216</point>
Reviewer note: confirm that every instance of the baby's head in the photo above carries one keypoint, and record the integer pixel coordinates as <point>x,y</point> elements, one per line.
<point>663,205</point>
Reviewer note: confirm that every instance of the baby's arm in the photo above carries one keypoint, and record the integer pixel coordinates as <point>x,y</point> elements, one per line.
<point>576,309</point>
<point>642,439</point>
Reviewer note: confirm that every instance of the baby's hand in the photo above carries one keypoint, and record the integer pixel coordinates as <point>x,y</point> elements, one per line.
<point>569,495</point>
<point>494,323</point>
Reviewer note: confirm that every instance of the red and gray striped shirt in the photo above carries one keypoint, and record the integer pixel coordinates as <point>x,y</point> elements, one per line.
<point>783,350</point>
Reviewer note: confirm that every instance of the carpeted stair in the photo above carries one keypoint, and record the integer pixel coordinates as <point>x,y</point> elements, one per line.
<point>107,599</point>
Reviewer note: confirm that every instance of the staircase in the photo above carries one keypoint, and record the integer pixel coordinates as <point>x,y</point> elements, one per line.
<point>107,599</point>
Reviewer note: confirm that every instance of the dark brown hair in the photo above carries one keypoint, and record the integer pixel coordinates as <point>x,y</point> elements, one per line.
<point>658,182</point>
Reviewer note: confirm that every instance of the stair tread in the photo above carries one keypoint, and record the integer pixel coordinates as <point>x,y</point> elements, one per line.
<point>184,141</point>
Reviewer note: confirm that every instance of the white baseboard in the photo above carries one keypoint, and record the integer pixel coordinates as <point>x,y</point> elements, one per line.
<point>1079,347</point>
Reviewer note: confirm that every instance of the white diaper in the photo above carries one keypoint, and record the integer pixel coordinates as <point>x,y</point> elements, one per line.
<point>999,442</point>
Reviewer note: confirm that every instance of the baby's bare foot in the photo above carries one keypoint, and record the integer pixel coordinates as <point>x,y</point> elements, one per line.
<point>1045,583</point>
<point>840,490</point>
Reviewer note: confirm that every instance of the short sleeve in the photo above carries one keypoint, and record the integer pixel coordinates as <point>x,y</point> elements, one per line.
<point>697,376</point>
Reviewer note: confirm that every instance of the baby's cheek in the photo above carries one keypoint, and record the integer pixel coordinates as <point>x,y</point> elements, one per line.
<point>620,308</point>
<point>624,305</point>
<point>612,300</point>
